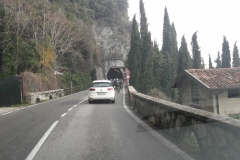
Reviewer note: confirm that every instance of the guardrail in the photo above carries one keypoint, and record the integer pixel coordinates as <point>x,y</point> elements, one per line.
<point>218,136</point>
<point>75,89</point>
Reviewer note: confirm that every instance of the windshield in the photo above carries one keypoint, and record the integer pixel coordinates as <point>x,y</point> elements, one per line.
<point>119,79</point>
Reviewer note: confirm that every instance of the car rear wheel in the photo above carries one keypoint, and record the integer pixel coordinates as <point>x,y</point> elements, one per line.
<point>89,102</point>
<point>113,101</point>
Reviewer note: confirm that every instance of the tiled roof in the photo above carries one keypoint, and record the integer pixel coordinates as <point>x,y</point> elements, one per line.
<point>220,78</point>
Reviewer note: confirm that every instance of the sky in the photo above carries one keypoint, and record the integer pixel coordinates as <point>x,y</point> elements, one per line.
<point>212,20</point>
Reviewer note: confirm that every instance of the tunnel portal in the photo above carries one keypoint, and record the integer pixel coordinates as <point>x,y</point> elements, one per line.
<point>114,73</point>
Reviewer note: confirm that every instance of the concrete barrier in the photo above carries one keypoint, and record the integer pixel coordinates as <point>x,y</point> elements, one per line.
<point>218,136</point>
<point>37,97</point>
<point>131,90</point>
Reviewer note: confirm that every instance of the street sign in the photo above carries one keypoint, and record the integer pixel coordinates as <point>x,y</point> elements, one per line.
<point>127,71</point>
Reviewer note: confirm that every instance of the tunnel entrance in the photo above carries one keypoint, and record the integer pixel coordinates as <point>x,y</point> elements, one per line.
<point>114,73</point>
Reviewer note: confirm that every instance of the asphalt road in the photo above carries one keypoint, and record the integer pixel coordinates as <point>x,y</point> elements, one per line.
<point>78,131</point>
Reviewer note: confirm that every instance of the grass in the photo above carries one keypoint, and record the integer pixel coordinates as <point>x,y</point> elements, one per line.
<point>190,143</point>
<point>44,100</point>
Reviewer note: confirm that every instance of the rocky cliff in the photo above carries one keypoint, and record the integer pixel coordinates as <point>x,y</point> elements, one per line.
<point>114,43</point>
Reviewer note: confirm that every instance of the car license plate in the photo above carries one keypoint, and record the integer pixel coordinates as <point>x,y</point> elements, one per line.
<point>101,93</point>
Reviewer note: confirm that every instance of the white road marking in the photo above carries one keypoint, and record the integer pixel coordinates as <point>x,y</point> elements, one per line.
<point>70,109</point>
<point>156,134</point>
<point>42,103</point>
<point>63,114</point>
<point>7,113</point>
<point>82,101</point>
<point>40,143</point>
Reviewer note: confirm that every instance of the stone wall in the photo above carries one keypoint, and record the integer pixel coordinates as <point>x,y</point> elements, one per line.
<point>205,97</point>
<point>37,97</point>
<point>218,136</point>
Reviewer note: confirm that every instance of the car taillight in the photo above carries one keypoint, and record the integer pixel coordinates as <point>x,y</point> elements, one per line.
<point>110,89</point>
<point>92,89</point>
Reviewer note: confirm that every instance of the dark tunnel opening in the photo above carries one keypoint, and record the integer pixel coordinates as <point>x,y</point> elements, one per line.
<point>114,73</point>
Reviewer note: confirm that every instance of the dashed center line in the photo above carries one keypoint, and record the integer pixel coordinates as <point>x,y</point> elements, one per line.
<point>82,101</point>
<point>40,143</point>
<point>63,114</point>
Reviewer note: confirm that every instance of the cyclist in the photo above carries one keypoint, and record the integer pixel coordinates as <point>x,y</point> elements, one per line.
<point>121,83</point>
<point>117,84</point>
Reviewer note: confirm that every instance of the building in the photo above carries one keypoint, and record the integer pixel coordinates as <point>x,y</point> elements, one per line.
<point>213,90</point>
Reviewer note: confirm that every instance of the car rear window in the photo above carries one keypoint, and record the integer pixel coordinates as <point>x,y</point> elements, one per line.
<point>101,84</point>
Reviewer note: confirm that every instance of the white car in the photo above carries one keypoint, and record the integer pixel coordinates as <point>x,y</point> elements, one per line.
<point>101,90</point>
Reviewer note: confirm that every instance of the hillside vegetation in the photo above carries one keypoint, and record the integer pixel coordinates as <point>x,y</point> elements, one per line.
<point>43,36</point>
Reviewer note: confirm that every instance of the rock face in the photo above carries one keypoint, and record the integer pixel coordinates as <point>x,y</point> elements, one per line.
<point>114,43</point>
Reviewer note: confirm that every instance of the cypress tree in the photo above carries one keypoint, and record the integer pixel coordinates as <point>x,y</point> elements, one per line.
<point>210,62</point>
<point>157,61</point>
<point>174,42</point>
<point>235,62</point>
<point>134,55</point>
<point>196,52</point>
<point>169,52</point>
<point>203,64</point>
<point>167,35</point>
<point>184,59</point>
<point>218,61</point>
<point>226,58</point>
<point>147,81</point>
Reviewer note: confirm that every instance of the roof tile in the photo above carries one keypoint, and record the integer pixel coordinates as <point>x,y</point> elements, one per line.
<point>219,78</point>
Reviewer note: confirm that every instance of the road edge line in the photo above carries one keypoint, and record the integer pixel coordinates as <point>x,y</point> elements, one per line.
<point>41,141</point>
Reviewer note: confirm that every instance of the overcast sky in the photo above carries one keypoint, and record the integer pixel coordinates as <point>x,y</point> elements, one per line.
<point>212,20</point>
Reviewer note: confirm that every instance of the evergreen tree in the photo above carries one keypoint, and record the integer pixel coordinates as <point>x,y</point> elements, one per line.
<point>226,58</point>
<point>167,35</point>
<point>174,42</point>
<point>235,62</point>
<point>147,81</point>
<point>134,55</point>
<point>196,52</point>
<point>157,61</point>
<point>6,49</point>
<point>174,51</point>
<point>203,64</point>
<point>169,52</point>
<point>184,59</point>
<point>210,62</point>
<point>218,61</point>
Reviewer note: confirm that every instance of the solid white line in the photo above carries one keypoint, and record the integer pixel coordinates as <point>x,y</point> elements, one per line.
<point>156,134</point>
<point>63,114</point>
<point>40,143</point>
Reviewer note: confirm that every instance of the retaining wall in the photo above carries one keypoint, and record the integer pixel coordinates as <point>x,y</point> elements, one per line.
<point>37,97</point>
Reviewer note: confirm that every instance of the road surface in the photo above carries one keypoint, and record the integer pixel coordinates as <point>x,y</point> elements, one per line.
<point>70,128</point>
